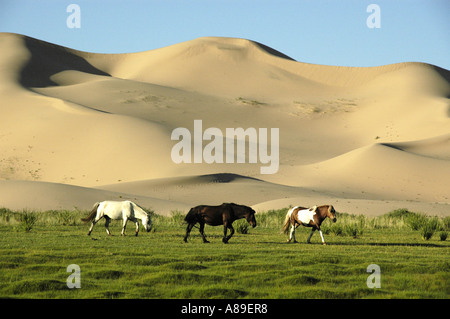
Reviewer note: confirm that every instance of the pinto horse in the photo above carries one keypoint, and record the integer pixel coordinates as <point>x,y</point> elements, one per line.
<point>125,210</point>
<point>308,217</point>
<point>224,214</point>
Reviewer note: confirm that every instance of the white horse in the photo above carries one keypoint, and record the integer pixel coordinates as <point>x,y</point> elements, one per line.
<point>116,210</point>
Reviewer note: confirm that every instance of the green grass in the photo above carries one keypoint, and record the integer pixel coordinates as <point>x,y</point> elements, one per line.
<point>258,264</point>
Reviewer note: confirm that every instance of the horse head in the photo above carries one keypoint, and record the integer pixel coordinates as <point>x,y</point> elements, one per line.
<point>147,223</point>
<point>250,216</point>
<point>331,213</point>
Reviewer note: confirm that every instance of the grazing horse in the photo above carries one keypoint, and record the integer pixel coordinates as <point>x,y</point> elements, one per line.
<point>224,214</point>
<point>312,217</point>
<point>125,210</point>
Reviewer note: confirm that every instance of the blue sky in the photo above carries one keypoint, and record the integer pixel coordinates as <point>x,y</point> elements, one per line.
<point>332,32</point>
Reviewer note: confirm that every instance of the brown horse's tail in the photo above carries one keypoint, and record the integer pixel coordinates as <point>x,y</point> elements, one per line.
<point>287,223</point>
<point>191,217</point>
<point>92,214</point>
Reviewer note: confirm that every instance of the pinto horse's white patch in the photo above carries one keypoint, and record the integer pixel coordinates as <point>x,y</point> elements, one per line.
<point>306,215</point>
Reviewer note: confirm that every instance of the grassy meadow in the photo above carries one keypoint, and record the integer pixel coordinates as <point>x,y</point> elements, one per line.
<point>37,247</point>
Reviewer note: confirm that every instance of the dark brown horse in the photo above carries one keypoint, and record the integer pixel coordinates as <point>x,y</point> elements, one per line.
<point>309,217</point>
<point>224,214</point>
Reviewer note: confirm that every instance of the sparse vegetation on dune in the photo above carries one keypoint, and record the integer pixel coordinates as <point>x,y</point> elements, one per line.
<point>257,262</point>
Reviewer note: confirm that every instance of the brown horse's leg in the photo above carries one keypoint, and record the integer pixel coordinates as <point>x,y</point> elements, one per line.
<point>226,239</point>
<point>202,232</point>
<point>188,230</point>
<point>225,228</point>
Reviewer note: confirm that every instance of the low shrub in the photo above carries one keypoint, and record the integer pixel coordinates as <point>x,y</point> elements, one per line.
<point>271,218</point>
<point>241,226</point>
<point>446,223</point>
<point>353,230</point>
<point>429,227</point>
<point>66,217</point>
<point>26,220</point>
<point>416,221</point>
<point>177,217</point>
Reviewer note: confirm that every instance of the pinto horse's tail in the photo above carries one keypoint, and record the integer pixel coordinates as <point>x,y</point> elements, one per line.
<point>92,214</point>
<point>287,222</point>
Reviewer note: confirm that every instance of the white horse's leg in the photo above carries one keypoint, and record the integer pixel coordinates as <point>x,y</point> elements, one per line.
<point>310,235</point>
<point>137,226</point>
<point>92,227</point>
<point>321,235</point>
<point>96,219</point>
<point>124,225</point>
<point>108,220</point>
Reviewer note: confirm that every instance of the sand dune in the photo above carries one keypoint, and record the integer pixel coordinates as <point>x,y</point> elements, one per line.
<point>437,148</point>
<point>379,171</point>
<point>219,66</point>
<point>42,196</point>
<point>209,189</point>
<point>78,127</point>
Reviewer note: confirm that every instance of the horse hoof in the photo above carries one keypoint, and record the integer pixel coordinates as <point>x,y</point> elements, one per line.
<point>324,244</point>
<point>206,242</point>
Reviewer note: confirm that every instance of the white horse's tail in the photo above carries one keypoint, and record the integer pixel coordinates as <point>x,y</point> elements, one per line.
<point>92,214</point>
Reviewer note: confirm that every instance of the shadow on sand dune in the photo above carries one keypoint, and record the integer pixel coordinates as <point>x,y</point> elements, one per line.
<point>48,59</point>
